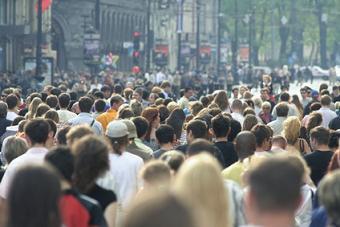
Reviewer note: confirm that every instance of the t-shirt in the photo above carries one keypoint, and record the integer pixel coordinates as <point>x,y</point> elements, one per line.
<point>228,152</point>
<point>159,152</point>
<point>73,212</point>
<point>318,162</point>
<point>103,196</point>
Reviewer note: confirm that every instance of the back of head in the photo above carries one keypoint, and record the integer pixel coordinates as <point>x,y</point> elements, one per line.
<point>174,159</point>
<point>52,101</point>
<point>291,129</point>
<point>12,101</point>
<point>320,135</point>
<point>261,133</point>
<point>329,194</point>
<point>160,211</point>
<point>326,100</point>
<point>245,144</point>
<point>62,160</point>
<point>142,126</point>
<point>14,147</point>
<point>37,131</point>
<point>269,179</point>
<point>279,141</point>
<point>34,190</point>
<point>61,135</point>
<point>236,105</point>
<point>156,173</point>
<point>284,97</point>
<point>52,115</point>
<point>235,128</point>
<point>116,99</point>
<point>282,110</point>
<point>3,109</point>
<point>249,122</point>
<point>198,128</point>
<point>165,134</point>
<point>64,100</point>
<point>220,125</point>
<point>85,104</point>
<point>99,105</point>
<point>77,132</point>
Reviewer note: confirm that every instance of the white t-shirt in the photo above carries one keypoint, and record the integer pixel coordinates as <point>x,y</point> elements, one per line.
<point>11,115</point>
<point>125,169</point>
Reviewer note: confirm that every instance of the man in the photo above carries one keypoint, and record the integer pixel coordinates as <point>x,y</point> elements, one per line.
<point>304,97</point>
<point>183,102</point>
<point>336,94</point>
<point>107,91</point>
<point>315,98</point>
<point>85,117</point>
<point>12,104</point>
<point>263,143</point>
<point>279,144</point>
<point>166,87</point>
<point>245,145</point>
<point>111,114</point>
<point>237,112</point>
<point>64,114</point>
<point>4,123</point>
<point>137,147</point>
<point>37,133</point>
<point>235,92</point>
<point>273,195</point>
<point>165,136</point>
<point>319,159</point>
<point>325,111</point>
<point>292,110</point>
<point>282,110</point>
<point>220,129</point>
<point>134,147</point>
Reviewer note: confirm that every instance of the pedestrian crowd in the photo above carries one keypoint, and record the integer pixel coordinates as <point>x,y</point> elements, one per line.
<point>131,155</point>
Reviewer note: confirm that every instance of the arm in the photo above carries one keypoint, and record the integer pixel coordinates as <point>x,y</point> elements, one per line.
<point>110,214</point>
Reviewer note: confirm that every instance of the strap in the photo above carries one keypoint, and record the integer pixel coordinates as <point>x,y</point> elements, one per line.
<point>92,123</point>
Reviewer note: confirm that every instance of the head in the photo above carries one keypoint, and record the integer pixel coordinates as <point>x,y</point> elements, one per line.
<point>315,119</point>
<point>163,113</point>
<point>304,93</point>
<point>266,107</point>
<point>319,136</point>
<point>235,128</point>
<point>221,99</point>
<point>285,97</point>
<point>266,182</point>
<point>291,129</point>
<point>41,110</point>
<point>152,115</point>
<point>174,159</point>
<point>326,100</point>
<point>33,106</point>
<point>131,129</point>
<point>282,109</point>
<point>235,92</point>
<point>156,175</point>
<point>249,122</point>
<point>37,132</point>
<point>280,142</point>
<point>61,135</point>
<point>220,126</point>
<point>188,92</point>
<point>52,115</point>
<point>107,91</point>
<point>12,101</point>
<point>64,100</point>
<point>77,132</point>
<point>165,135</point>
<point>264,94</point>
<point>237,106</point>
<point>14,147</point>
<point>116,101</point>
<point>136,107</point>
<point>34,190</point>
<point>198,179</point>
<point>142,126</point>
<point>263,136</point>
<point>91,161</point>
<point>99,106</point>
<point>196,129</point>
<point>176,120</point>
<point>85,104</point>
<point>117,132</point>
<point>245,145</point>
<point>52,101</point>
<point>3,109</point>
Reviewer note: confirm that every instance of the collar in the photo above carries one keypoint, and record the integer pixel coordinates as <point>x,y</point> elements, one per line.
<point>84,114</point>
<point>37,150</point>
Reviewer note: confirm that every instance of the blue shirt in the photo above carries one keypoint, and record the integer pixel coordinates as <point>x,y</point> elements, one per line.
<point>86,118</point>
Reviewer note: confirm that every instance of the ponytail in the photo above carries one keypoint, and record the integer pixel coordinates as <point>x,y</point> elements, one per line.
<point>119,144</point>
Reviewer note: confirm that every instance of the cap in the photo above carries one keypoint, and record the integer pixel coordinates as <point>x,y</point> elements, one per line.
<point>116,129</point>
<point>131,128</point>
<point>315,93</point>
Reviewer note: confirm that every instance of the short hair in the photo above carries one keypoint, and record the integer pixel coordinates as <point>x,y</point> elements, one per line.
<point>284,97</point>
<point>270,178</point>
<point>173,158</point>
<point>37,130</point>
<point>198,128</point>
<point>249,122</point>
<point>99,105</point>
<point>61,135</point>
<point>261,133</point>
<point>3,109</point>
<point>142,126</point>
<point>116,99</point>
<point>53,115</point>
<point>62,160</point>
<point>55,91</point>
<point>165,134</point>
<point>236,104</point>
<point>14,147</point>
<point>334,140</point>
<point>330,197</point>
<point>326,100</point>
<point>280,141</point>
<point>85,104</point>
<point>220,125</point>
<point>245,145</point>
<point>235,128</point>
<point>64,100</point>
<point>323,86</point>
<point>156,172</point>
<point>201,145</point>
<point>12,101</point>
<point>196,107</point>
<point>42,109</point>
<point>77,132</point>
<point>53,126</point>
<point>282,110</point>
<point>106,88</point>
<point>52,101</point>
<point>98,95</point>
<point>118,89</point>
<point>321,135</point>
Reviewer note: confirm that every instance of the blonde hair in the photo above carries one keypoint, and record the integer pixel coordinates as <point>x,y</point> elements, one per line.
<point>291,129</point>
<point>33,107</point>
<point>172,105</point>
<point>77,132</point>
<point>14,147</point>
<point>200,184</point>
<point>156,173</point>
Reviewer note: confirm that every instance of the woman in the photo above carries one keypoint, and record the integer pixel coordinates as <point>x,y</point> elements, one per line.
<point>249,122</point>
<point>34,197</point>
<point>91,162</point>
<point>200,184</point>
<point>32,109</point>
<point>291,131</point>
<point>152,115</point>
<point>176,121</point>
<point>221,99</point>
<point>265,113</point>
<point>53,115</point>
<point>315,120</point>
<point>298,105</point>
<point>152,98</point>
<point>41,110</point>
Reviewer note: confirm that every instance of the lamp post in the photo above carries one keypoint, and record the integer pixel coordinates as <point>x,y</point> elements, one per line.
<point>39,40</point>
<point>179,32</point>
<point>97,15</point>
<point>219,25</point>
<point>148,36</point>
<point>198,41</point>
<point>235,44</point>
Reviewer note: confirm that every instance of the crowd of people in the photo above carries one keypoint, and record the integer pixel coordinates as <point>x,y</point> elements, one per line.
<point>133,154</point>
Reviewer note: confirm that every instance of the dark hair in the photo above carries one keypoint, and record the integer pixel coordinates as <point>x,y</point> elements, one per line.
<point>282,110</point>
<point>174,159</point>
<point>284,97</point>
<point>235,128</point>
<point>91,161</point>
<point>245,145</point>
<point>323,86</point>
<point>12,101</point>
<point>99,105</point>
<point>220,125</point>
<point>55,91</point>
<point>98,95</point>
<point>261,133</point>
<point>3,109</point>
<point>17,120</point>
<point>85,104</point>
<point>62,160</point>
<point>106,88</point>
<point>34,197</point>
<point>205,101</point>
<point>249,122</point>
<point>118,143</point>
<point>37,131</point>
<point>150,114</point>
<point>165,134</point>
<point>73,95</point>
<point>198,128</point>
<point>52,101</point>
<point>64,100</point>
<point>43,96</point>
<point>334,140</point>
<point>326,100</point>
<point>53,126</point>
<point>125,113</point>
<point>118,89</point>
<point>42,109</point>
<point>268,180</point>
<point>116,99</point>
<point>163,113</point>
<point>176,120</point>
<point>52,114</point>
<point>315,106</point>
<point>142,126</point>
<point>61,135</point>
<point>321,135</point>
